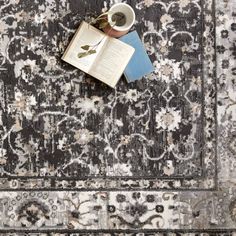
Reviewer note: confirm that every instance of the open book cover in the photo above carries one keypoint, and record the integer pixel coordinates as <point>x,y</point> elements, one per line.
<point>140,64</point>
<point>110,59</point>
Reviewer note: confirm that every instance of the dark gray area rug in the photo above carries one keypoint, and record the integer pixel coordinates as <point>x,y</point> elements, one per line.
<point>152,157</point>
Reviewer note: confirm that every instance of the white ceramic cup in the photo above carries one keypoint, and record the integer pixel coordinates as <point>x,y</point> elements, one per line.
<point>129,13</point>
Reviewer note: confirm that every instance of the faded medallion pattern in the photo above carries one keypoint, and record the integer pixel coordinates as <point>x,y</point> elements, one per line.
<point>154,156</point>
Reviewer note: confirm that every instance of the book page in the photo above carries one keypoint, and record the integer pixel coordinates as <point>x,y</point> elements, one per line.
<point>85,35</point>
<point>111,62</point>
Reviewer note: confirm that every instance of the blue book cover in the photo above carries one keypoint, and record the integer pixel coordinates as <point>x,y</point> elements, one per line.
<point>140,64</point>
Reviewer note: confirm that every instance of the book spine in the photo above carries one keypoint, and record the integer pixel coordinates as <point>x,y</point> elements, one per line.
<point>126,77</point>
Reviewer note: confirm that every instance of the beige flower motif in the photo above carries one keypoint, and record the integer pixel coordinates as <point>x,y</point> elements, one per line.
<point>148,3</point>
<point>51,63</point>
<point>163,47</point>
<point>39,18</point>
<point>132,95</point>
<point>83,136</point>
<point>3,161</point>
<point>166,19</point>
<point>196,108</point>
<point>186,48</point>
<point>166,70</point>
<point>119,169</point>
<point>168,119</point>
<point>87,105</point>
<point>23,16</point>
<point>164,50</point>
<point>208,18</point>
<point>119,123</point>
<point>19,65</point>
<point>169,169</point>
<point>184,3</point>
<point>197,81</point>
<point>125,140</point>
<point>23,104</point>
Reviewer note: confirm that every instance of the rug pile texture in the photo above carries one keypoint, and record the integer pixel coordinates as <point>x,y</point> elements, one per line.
<point>154,157</point>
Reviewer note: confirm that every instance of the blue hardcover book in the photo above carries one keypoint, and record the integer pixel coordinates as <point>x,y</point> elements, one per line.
<point>140,64</point>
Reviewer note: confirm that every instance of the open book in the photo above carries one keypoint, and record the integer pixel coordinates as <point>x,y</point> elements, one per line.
<point>110,59</point>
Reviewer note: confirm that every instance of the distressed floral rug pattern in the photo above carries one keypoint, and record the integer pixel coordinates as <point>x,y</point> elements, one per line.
<point>154,156</point>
